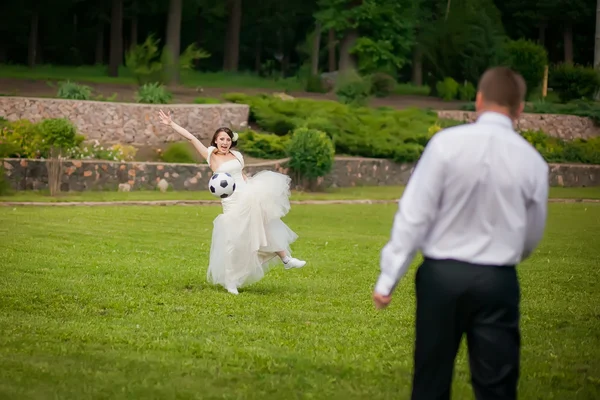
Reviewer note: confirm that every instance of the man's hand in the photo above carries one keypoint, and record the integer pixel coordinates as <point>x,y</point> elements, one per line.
<point>381,301</point>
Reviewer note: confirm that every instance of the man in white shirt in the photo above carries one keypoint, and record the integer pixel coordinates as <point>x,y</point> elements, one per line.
<point>475,207</point>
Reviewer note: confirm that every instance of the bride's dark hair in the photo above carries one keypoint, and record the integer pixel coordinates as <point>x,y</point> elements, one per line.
<point>229,133</point>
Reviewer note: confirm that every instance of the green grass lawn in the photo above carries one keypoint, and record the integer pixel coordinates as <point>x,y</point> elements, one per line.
<point>99,74</point>
<point>112,302</point>
<point>349,193</point>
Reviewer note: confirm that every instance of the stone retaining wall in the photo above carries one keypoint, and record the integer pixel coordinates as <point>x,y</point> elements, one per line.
<point>567,127</point>
<point>137,124</point>
<point>104,175</point>
<point>127,123</point>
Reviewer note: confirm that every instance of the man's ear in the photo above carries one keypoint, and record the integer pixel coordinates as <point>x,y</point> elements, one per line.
<point>478,101</point>
<point>520,110</point>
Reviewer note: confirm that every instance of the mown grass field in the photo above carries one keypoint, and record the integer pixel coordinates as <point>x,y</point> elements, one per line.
<point>347,193</point>
<point>112,302</point>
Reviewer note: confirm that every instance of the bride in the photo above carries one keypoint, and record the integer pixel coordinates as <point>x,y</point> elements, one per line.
<point>249,235</point>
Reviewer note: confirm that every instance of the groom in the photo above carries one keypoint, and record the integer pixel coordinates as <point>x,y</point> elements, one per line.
<point>475,207</point>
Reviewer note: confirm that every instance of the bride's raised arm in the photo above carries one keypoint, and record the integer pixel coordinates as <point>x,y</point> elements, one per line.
<point>165,119</point>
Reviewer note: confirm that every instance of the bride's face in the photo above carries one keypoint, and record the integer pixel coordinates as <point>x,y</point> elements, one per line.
<point>223,142</point>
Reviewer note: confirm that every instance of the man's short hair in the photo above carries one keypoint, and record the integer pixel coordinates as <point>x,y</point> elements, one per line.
<point>503,87</point>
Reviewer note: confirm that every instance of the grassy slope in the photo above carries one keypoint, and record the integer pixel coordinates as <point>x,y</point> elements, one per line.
<point>99,74</point>
<point>113,303</point>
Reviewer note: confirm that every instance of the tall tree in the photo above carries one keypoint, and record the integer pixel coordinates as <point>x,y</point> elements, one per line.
<point>597,44</point>
<point>376,34</point>
<point>566,14</point>
<point>331,45</point>
<point>116,38</point>
<point>426,13</point>
<point>232,38</point>
<point>34,35</point>
<point>316,46</point>
<point>173,39</point>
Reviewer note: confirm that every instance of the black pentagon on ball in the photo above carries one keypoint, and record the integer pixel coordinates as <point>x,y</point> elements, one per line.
<point>212,188</point>
<point>233,187</point>
<point>214,176</point>
<point>224,195</point>
<point>223,183</point>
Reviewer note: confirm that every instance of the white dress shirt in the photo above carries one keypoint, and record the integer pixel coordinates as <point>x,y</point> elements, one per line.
<point>478,194</point>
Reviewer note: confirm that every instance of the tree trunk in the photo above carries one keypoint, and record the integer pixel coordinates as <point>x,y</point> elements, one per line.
<point>33,38</point>
<point>315,50</point>
<point>133,33</point>
<point>331,48</point>
<point>232,42</point>
<point>542,33</point>
<point>568,37</point>
<point>100,44</point>
<point>199,34</point>
<point>347,60</point>
<point>597,44</point>
<point>173,40</point>
<point>258,54</point>
<point>75,27</point>
<point>116,38</point>
<point>417,67</point>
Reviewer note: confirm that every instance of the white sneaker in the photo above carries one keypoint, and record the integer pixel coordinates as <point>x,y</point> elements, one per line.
<point>232,289</point>
<point>294,263</point>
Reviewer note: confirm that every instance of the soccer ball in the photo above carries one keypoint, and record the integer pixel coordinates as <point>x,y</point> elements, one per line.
<point>221,185</point>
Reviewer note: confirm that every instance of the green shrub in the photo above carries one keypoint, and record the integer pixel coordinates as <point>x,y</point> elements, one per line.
<point>447,89</point>
<point>311,154</point>
<point>143,61</point>
<point>352,89</point>
<point>207,100</point>
<point>528,59</point>
<point>263,145</point>
<point>24,136</point>
<point>365,132</point>
<point>555,150</point>
<point>59,133</point>
<point>408,89</point>
<point>235,97</point>
<point>408,153</point>
<point>551,148</point>
<point>585,151</point>
<point>96,151</point>
<point>467,92</point>
<point>180,153</point>
<point>573,82</point>
<point>73,91</point>
<point>382,85</point>
<point>153,93</point>
<point>314,84</point>
<point>148,64</point>
<point>9,149</point>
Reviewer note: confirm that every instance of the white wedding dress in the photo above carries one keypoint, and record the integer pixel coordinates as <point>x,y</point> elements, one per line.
<point>249,231</point>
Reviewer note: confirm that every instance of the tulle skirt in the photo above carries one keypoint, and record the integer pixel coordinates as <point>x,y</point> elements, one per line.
<point>250,231</point>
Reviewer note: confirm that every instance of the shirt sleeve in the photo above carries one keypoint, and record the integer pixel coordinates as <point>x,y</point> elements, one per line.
<point>417,210</point>
<point>537,211</point>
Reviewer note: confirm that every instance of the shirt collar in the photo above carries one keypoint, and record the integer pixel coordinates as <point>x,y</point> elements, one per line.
<point>495,118</point>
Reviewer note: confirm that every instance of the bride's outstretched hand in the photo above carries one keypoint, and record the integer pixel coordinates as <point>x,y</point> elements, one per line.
<point>165,119</point>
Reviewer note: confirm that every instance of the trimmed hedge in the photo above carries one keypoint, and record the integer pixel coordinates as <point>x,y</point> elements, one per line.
<point>580,108</point>
<point>555,150</point>
<point>358,131</point>
<point>400,135</point>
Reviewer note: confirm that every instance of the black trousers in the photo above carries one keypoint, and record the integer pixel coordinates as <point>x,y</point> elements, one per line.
<point>456,298</point>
